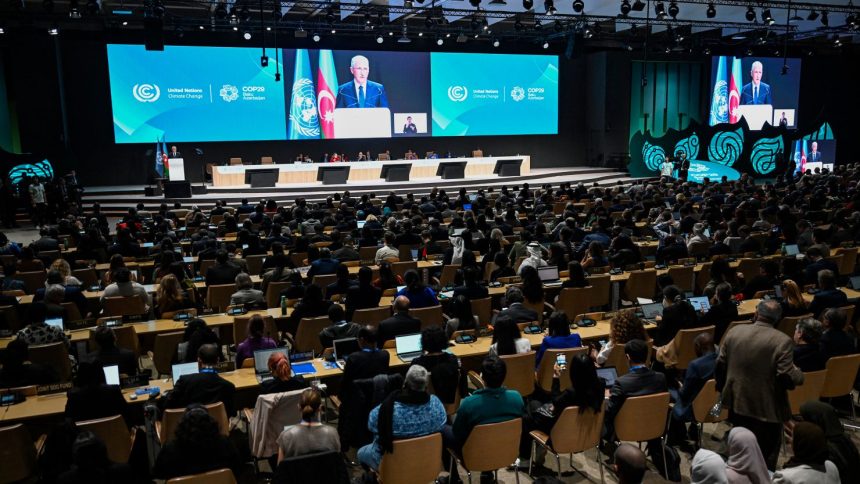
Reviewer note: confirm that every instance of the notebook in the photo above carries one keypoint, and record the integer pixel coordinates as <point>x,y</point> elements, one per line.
<point>343,348</point>
<point>111,374</point>
<point>408,346</point>
<point>261,363</point>
<point>609,374</point>
<point>184,369</point>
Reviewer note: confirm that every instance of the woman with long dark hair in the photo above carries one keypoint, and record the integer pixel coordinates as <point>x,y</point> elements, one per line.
<point>387,278</point>
<point>197,447</point>
<point>461,314</point>
<point>576,276</point>
<point>532,285</point>
<point>507,339</point>
<point>419,295</point>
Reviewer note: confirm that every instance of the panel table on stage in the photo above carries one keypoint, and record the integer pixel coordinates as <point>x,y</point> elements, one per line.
<point>306,173</point>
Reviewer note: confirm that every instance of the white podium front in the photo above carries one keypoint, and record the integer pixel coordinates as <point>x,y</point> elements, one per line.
<point>177,169</point>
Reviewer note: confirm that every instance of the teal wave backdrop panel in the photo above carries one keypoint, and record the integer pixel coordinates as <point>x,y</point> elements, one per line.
<point>674,95</point>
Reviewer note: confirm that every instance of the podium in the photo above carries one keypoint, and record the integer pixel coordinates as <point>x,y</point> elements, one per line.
<point>509,167</point>
<point>333,175</point>
<point>177,169</point>
<point>264,177</point>
<point>396,173</point>
<point>450,170</point>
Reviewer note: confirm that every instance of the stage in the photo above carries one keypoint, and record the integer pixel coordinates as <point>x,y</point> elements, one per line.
<point>117,199</point>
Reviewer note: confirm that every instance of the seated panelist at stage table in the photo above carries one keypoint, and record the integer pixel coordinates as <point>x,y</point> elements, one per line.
<point>360,92</point>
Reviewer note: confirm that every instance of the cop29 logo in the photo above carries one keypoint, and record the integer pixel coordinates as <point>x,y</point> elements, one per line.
<point>458,94</point>
<point>146,93</point>
<point>229,93</point>
<point>518,94</point>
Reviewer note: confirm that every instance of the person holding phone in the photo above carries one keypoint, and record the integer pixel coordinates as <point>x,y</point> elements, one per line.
<point>559,336</point>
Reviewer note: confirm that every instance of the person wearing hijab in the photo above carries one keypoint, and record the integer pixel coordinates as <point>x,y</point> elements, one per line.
<point>841,450</point>
<point>809,462</point>
<point>534,258</point>
<point>746,463</point>
<point>708,468</point>
<point>409,412</point>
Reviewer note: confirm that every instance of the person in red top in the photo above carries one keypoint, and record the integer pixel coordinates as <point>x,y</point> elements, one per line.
<point>334,158</point>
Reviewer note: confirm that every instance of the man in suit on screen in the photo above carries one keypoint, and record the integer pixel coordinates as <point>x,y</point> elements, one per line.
<point>360,92</point>
<point>814,155</point>
<point>756,92</point>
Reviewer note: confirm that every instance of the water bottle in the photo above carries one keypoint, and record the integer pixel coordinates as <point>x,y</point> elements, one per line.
<point>283,305</point>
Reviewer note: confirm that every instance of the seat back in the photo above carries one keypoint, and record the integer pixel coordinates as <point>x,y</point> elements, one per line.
<point>17,453</point>
<point>405,251</point>
<point>9,318</point>
<point>704,402</point>
<point>240,328</point>
<point>520,374</point>
<point>323,280</point>
<point>53,355</point>
<point>307,335</point>
<point>235,161</point>
<point>492,446</point>
<point>640,284</point>
<point>371,316</point>
<point>536,307</point>
<point>32,280</point>
<point>703,276</point>
<point>218,296</point>
<point>684,347</point>
<point>114,433</point>
<point>72,311</point>
<point>255,264</point>
<point>813,383</point>
<point>544,371</point>
<point>87,276</point>
<point>367,253</point>
<point>849,313</point>
<point>575,301</point>
<point>601,292</point>
<point>204,266</point>
<point>410,461</point>
<point>749,268</point>
<point>642,418</point>
<point>266,160</point>
<point>430,316</point>
<point>171,417</point>
<point>221,476</point>
<point>684,277</point>
<point>788,324</point>
<point>576,431</point>
<point>841,372</point>
<point>164,351</point>
<point>126,337</point>
<point>449,273</point>
<point>124,306</point>
<point>849,260</point>
<point>273,292</point>
<point>400,268</point>
<point>483,309</point>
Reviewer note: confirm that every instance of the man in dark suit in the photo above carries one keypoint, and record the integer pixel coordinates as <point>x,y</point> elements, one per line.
<point>516,310</point>
<point>324,265</point>
<point>347,252</point>
<point>205,387</point>
<point>756,92</point>
<point>245,207</point>
<point>828,296</point>
<point>835,341</point>
<point>814,155</point>
<point>47,241</point>
<point>409,127</point>
<point>817,263</point>
<point>364,295</point>
<point>110,354</point>
<point>399,324</point>
<point>174,153</point>
<point>639,381</point>
<point>755,369</point>
<point>699,371</point>
<point>807,352</point>
<point>768,276</point>
<point>223,272</point>
<point>359,92</point>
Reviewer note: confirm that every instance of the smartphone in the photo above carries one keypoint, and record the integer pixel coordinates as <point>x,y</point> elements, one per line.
<point>561,361</point>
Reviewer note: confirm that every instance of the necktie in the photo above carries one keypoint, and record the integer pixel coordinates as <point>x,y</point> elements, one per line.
<point>361,96</point>
<point>755,95</point>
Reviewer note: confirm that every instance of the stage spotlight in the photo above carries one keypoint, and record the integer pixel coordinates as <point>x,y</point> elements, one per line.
<point>558,26</point>
<point>625,7</point>
<point>578,6</point>
<point>474,23</point>
<point>498,2</point>
<point>587,33</point>
<point>440,41</point>
<point>712,11</point>
<point>813,15</point>
<point>200,27</point>
<point>329,16</point>
<point>518,25</point>
<point>235,29</point>
<point>125,23</point>
<point>546,45</point>
<point>316,37</point>
<point>333,31</point>
<point>766,17</point>
<point>53,31</point>
<point>485,25</point>
<point>221,11</point>
<point>246,35</point>
<point>48,5</point>
<point>660,10</point>
<point>408,3</point>
<point>706,51</point>
<point>429,22</point>
<point>528,4</point>
<point>538,25</point>
<point>824,20</point>
<point>549,6</point>
<point>495,42</point>
<point>750,14</point>
<point>74,10</point>
<point>380,39</point>
<point>244,13</point>
<point>851,21</point>
<point>475,3</point>
<point>264,61</point>
<point>784,69</point>
<point>638,6</point>
<point>673,10</point>
<point>2,31</point>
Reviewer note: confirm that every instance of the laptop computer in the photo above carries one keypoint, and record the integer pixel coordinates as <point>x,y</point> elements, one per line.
<point>343,348</point>
<point>651,311</point>
<point>408,346</point>
<point>549,275</point>
<point>55,322</point>
<point>609,375</point>
<point>177,371</point>
<point>792,250</point>
<point>473,196</point>
<point>700,303</point>
<point>467,206</point>
<point>360,223</point>
<point>111,374</point>
<point>261,363</point>
<point>854,282</point>
<point>458,232</point>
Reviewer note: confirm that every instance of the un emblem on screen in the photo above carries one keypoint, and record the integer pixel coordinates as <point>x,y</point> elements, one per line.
<point>146,93</point>
<point>458,94</point>
<point>229,93</point>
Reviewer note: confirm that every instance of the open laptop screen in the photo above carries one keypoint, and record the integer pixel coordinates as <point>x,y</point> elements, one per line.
<point>345,347</point>
<point>409,343</point>
<point>652,310</point>
<point>700,303</point>
<point>261,358</point>
<point>184,369</point>
<point>609,374</point>
<point>548,273</point>
<point>792,250</point>
<point>111,374</point>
